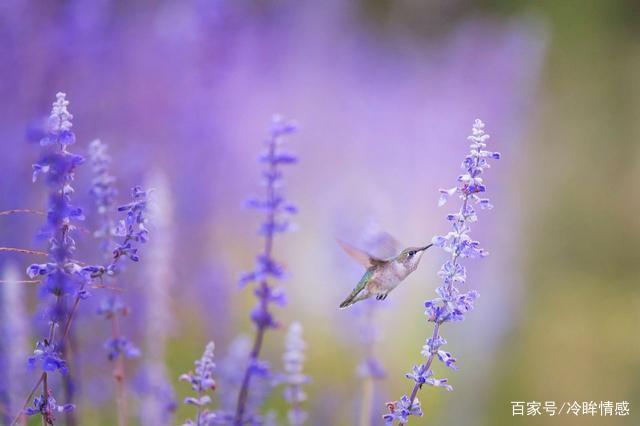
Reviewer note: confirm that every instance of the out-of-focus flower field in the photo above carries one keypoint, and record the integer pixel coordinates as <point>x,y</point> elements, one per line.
<point>255,135</point>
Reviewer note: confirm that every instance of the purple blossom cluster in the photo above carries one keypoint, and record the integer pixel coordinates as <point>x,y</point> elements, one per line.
<point>122,242</point>
<point>452,303</point>
<point>64,278</point>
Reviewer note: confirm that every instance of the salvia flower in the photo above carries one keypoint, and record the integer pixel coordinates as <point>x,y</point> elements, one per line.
<point>132,228</point>
<point>58,166</point>
<point>103,191</point>
<point>277,211</point>
<point>47,407</point>
<point>48,357</point>
<point>59,123</point>
<point>293,360</point>
<point>130,231</point>
<point>103,183</point>
<point>60,277</point>
<point>201,381</point>
<point>401,410</point>
<point>120,346</point>
<point>452,304</point>
<point>111,307</point>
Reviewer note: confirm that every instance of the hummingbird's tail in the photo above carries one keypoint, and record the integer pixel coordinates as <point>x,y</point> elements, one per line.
<point>351,299</point>
<point>348,301</point>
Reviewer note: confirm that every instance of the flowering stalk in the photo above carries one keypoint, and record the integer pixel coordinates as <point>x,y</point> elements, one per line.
<point>451,304</point>
<point>104,193</point>
<point>275,207</point>
<point>201,382</point>
<point>293,360</point>
<point>132,230</point>
<point>62,277</point>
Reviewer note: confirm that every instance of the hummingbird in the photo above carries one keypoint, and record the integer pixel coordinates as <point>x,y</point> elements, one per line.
<point>382,275</point>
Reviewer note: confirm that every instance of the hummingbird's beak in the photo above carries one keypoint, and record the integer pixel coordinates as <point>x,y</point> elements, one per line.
<point>425,247</point>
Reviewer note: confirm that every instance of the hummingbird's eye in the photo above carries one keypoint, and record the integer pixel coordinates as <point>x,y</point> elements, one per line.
<point>412,252</point>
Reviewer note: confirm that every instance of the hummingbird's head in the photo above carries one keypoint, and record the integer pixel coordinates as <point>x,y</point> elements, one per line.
<point>410,257</point>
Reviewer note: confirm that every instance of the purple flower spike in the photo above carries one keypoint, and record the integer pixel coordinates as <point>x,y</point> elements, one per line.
<point>201,381</point>
<point>277,211</point>
<point>451,304</point>
<point>59,123</point>
<point>62,278</point>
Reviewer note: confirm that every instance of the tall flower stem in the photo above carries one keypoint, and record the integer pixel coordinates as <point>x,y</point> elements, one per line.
<point>45,392</point>
<point>261,328</point>
<point>367,401</point>
<point>61,276</point>
<point>451,304</point>
<point>275,206</point>
<point>119,376</point>
<point>427,365</point>
<point>26,401</point>
<point>132,229</point>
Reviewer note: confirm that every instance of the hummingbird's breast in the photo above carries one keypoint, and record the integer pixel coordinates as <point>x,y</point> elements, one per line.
<point>385,278</point>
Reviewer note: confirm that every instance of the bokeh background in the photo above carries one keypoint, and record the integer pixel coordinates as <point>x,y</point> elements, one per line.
<point>385,93</point>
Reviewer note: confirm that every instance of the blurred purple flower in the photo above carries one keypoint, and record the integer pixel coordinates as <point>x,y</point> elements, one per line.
<point>121,346</point>
<point>276,209</point>
<point>293,379</point>
<point>158,399</point>
<point>103,191</point>
<point>231,373</point>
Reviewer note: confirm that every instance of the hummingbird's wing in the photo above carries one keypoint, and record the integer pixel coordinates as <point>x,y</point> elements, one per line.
<point>382,243</point>
<point>361,256</point>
